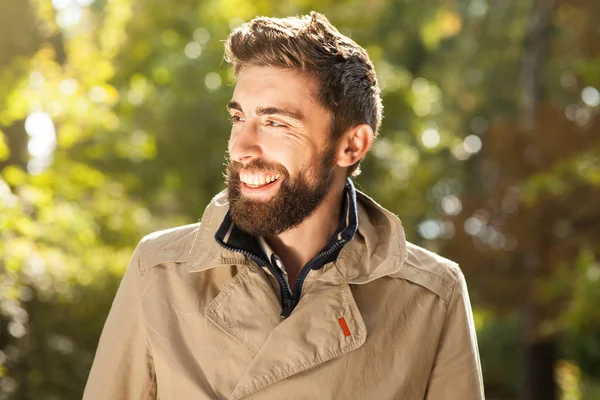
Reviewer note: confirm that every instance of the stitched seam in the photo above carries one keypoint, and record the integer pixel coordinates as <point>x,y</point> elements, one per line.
<point>200,229</point>
<point>314,281</point>
<point>227,289</point>
<point>142,259</point>
<point>233,260</point>
<point>141,300</point>
<point>396,252</point>
<point>339,269</point>
<point>354,310</point>
<point>318,360</point>
<point>220,262</point>
<point>439,338</point>
<point>445,281</point>
<point>151,253</point>
<point>163,250</point>
<point>377,276</point>
<point>300,367</point>
<point>234,332</point>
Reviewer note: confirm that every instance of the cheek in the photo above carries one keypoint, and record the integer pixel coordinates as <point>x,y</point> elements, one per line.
<point>232,138</point>
<point>285,153</point>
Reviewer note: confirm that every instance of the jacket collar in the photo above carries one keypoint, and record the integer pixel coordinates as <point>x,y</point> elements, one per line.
<point>377,249</point>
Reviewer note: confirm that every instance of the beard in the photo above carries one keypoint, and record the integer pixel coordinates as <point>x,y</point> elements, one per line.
<point>295,200</point>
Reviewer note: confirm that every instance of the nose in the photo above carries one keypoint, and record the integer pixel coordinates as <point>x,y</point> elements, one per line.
<point>244,145</point>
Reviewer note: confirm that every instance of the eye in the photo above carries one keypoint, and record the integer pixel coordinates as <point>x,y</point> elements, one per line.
<point>274,124</point>
<point>235,118</point>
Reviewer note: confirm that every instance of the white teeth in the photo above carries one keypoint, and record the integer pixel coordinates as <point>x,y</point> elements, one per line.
<point>258,180</point>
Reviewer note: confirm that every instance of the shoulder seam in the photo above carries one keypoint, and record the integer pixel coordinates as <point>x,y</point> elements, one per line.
<point>445,281</point>
<point>148,253</point>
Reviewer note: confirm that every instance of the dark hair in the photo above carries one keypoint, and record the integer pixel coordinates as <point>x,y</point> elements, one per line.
<point>346,77</point>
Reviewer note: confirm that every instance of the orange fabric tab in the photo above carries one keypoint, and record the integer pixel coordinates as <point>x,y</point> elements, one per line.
<point>344,326</point>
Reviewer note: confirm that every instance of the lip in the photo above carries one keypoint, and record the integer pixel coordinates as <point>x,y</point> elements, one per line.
<point>263,191</point>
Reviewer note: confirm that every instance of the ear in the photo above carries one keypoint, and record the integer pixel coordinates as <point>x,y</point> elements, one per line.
<point>354,144</point>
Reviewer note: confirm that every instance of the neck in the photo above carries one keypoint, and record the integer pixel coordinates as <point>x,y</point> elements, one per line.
<point>299,245</point>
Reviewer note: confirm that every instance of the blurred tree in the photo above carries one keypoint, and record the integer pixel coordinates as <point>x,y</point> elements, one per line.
<point>531,206</point>
<point>66,228</point>
<point>113,124</point>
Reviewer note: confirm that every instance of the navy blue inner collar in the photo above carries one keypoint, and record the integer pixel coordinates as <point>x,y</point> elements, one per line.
<point>230,236</point>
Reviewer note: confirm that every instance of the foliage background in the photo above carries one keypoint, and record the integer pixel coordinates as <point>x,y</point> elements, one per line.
<point>113,125</point>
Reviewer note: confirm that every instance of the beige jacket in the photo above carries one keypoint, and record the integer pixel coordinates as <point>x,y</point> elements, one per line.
<point>193,321</point>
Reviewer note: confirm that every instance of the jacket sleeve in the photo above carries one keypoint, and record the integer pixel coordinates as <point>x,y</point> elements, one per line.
<point>123,367</point>
<point>456,373</point>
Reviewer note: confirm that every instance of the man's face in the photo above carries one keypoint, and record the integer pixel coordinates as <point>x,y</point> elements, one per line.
<point>281,156</point>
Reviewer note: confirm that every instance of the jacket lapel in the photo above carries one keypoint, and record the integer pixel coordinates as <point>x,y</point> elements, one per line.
<point>311,335</point>
<point>247,309</point>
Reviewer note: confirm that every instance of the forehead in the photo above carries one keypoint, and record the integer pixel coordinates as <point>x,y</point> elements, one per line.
<point>258,86</point>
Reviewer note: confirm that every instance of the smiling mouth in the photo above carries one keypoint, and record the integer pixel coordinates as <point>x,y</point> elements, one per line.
<point>258,181</point>
<point>258,188</point>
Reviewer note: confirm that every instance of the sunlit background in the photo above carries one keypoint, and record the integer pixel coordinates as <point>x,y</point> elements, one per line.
<point>113,125</point>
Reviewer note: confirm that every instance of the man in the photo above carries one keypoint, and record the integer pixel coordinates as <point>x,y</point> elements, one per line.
<point>294,285</point>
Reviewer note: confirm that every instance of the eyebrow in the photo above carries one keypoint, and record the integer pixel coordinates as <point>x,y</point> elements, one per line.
<point>297,115</point>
